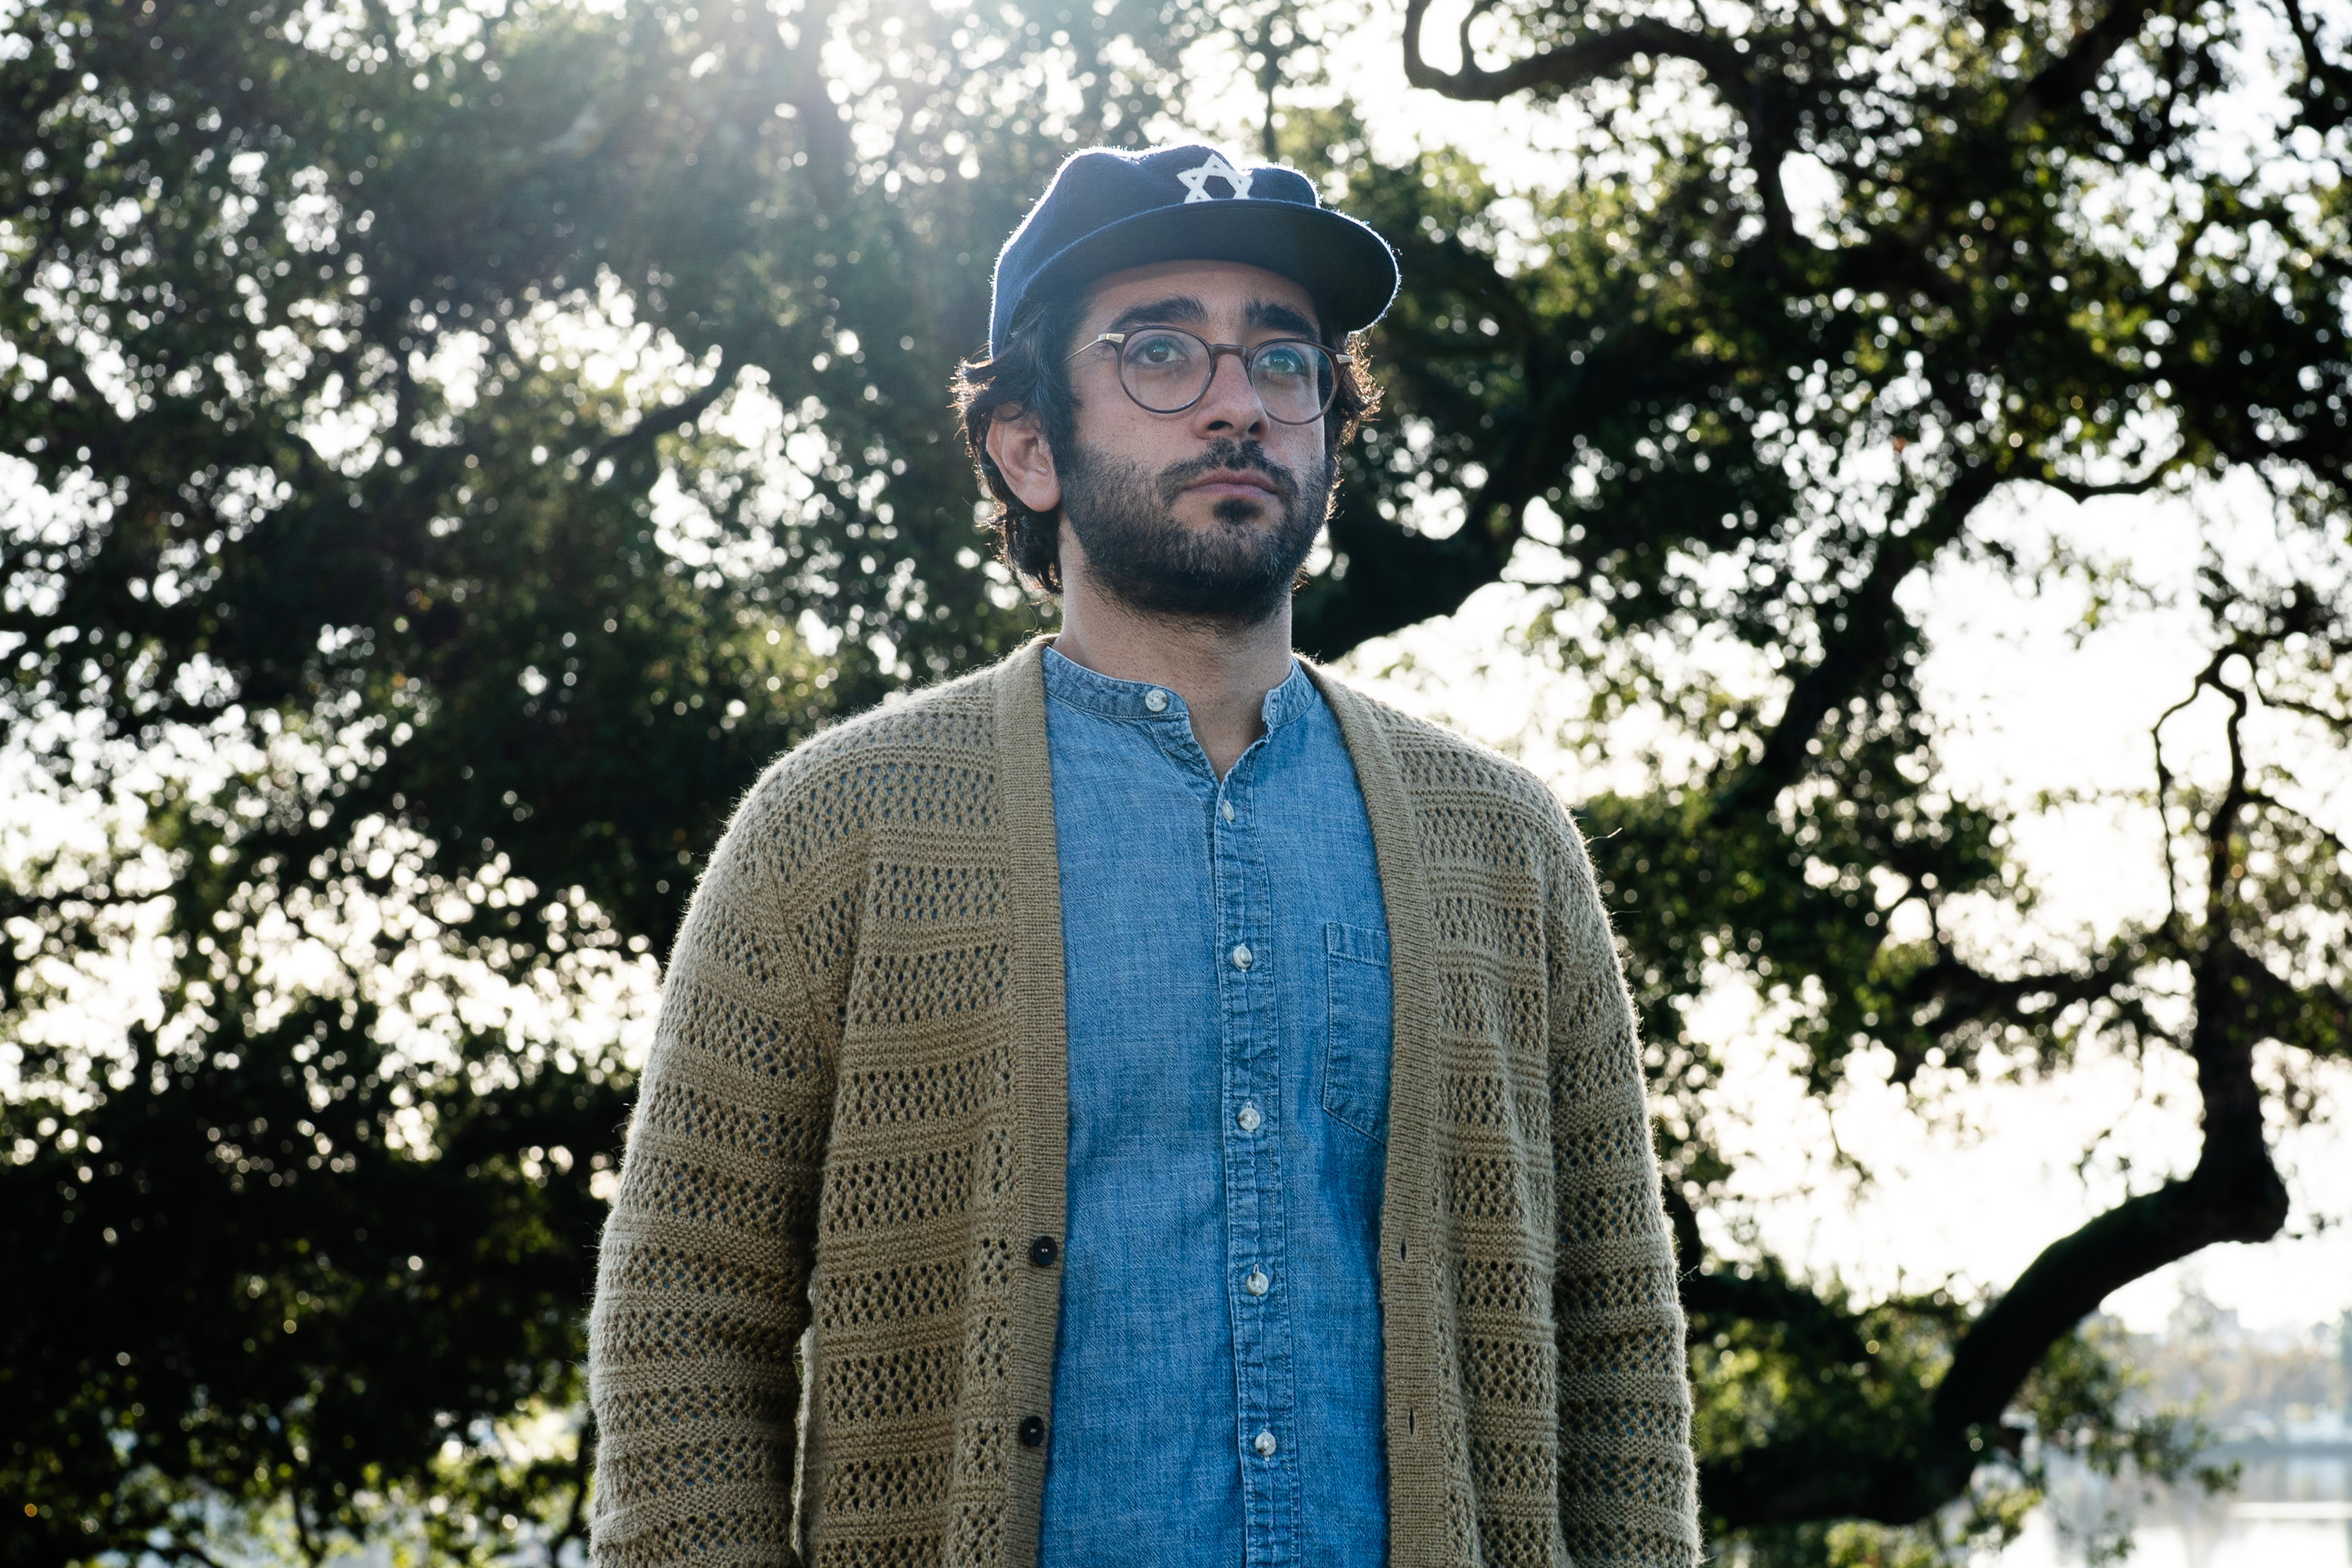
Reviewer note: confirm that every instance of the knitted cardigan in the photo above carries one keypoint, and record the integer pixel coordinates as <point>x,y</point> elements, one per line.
<point>854,1122</point>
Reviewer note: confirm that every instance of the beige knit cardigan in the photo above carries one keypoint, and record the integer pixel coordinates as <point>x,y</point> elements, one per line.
<point>855,1117</point>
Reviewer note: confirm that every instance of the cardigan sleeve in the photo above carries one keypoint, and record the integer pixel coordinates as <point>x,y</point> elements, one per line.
<point>702,1284</point>
<point>1628,1492</point>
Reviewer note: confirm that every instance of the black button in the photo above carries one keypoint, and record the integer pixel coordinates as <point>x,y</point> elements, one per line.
<point>1033,1431</point>
<point>1042,1251</point>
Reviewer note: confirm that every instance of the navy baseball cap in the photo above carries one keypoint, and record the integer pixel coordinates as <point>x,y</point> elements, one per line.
<point>1108,210</point>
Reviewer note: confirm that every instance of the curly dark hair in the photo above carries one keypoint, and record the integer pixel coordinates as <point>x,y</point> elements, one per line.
<point>1032,376</point>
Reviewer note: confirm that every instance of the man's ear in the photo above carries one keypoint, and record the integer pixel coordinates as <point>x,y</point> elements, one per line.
<point>1018,448</point>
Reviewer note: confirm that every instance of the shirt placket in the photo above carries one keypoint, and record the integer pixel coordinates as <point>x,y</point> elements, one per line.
<point>1256,1291</point>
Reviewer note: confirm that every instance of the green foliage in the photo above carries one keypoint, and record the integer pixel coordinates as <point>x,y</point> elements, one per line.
<point>1818,284</point>
<point>415,591</point>
<point>2083,1406</point>
<point>261,1301</point>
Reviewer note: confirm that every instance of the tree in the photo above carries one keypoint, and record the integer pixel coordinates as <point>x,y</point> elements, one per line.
<point>454,452</point>
<point>2032,271</point>
<point>399,574</point>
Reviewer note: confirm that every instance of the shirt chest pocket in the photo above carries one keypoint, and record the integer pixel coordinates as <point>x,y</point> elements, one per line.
<point>1356,1045</point>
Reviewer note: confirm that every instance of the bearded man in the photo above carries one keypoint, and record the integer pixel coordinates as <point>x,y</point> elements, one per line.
<point>1146,1102</point>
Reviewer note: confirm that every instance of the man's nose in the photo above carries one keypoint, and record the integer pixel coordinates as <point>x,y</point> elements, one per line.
<point>1230,406</point>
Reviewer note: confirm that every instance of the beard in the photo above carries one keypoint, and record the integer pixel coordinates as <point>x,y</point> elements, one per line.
<point>1236,572</point>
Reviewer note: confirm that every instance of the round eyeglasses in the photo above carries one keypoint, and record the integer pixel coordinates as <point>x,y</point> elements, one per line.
<point>1166,370</point>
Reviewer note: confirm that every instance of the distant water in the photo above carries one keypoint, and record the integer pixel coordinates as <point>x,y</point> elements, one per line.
<point>2292,1510</point>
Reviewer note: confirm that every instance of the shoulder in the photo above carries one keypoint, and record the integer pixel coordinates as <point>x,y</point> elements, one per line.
<point>927,754</point>
<point>1447,774</point>
<point>954,720</point>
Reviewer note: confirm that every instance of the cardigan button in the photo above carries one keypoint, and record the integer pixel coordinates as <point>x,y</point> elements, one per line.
<point>1033,1431</point>
<point>1044,1251</point>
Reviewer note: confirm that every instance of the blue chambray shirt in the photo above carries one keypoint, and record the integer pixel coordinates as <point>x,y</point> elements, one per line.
<point>1217,1388</point>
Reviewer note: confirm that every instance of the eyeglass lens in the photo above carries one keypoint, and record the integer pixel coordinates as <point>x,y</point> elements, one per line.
<point>1166,371</point>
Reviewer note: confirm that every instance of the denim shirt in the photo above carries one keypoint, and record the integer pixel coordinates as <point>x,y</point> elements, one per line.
<point>1217,1384</point>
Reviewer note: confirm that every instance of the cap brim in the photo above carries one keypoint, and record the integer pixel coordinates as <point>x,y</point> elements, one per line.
<point>1349,270</point>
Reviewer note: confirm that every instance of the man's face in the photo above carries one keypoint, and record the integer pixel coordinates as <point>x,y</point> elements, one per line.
<point>1206,512</point>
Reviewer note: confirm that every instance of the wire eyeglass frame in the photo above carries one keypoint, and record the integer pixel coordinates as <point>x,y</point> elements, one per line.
<point>1246,352</point>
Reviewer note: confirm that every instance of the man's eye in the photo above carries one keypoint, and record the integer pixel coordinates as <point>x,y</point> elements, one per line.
<point>1285,360</point>
<point>1160,350</point>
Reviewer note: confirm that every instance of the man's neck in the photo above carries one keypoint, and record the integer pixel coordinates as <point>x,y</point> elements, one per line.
<point>1222,672</point>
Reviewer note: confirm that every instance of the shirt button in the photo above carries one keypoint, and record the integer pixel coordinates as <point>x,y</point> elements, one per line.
<point>1249,1119</point>
<point>1257,1282</point>
<point>1042,1251</point>
<point>1227,810</point>
<point>1033,1431</point>
<point>1156,699</point>
<point>1265,1443</point>
<point>1242,957</point>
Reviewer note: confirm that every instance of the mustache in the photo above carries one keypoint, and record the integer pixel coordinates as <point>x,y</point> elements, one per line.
<point>1235,456</point>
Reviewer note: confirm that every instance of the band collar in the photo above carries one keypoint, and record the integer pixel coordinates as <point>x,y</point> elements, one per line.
<point>1068,681</point>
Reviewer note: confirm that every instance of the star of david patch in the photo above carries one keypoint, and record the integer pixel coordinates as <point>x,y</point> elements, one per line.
<point>1196,181</point>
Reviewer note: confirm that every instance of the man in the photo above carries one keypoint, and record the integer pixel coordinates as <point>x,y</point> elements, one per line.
<point>1144,1103</point>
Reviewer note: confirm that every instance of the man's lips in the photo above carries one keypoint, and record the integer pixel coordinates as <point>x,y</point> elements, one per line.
<point>1223,484</point>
